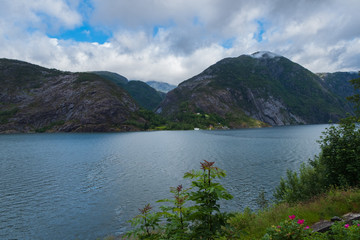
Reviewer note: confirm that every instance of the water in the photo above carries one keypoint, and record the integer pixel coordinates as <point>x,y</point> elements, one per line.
<point>85,186</point>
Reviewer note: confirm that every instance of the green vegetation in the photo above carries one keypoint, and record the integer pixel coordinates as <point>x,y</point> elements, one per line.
<point>189,118</point>
<point>246,225</point>
<point>148,120</point>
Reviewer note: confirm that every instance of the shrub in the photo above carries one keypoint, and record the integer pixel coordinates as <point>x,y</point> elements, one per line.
<point>289,229</point>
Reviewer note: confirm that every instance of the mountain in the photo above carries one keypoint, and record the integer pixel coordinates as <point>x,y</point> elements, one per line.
<point>161,86</point>
<point>256,90</point>
<point>338,82</point>
<point>146,96</point>
<point>37,99</point>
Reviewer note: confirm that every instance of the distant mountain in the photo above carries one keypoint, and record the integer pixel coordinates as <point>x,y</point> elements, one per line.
<point>255,90</point>
<point>146,96</point>
<point>37,99</point>
<point>161,86</point>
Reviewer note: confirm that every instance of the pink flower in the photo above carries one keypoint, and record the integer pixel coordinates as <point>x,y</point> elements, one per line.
<point>358,225</point>
<point>346,226</point>
<point>278,226</point>
<point>300,221</point>
<point>292,217</point>
<point>307,227</point>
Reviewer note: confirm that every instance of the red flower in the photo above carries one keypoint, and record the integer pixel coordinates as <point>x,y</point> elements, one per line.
<point>292,217</point>
<point>300,221</point>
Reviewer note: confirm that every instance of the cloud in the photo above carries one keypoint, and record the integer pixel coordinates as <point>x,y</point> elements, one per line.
<point>173,40</point>
<point>42,15</point>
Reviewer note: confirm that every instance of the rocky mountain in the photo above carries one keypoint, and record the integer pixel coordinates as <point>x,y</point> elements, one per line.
<point>146,96</point>
<point>37,99</point>
<point>161,86</point>
<point>255,90</point>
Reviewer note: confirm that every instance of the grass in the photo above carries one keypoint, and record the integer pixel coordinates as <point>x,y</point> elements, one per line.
<point>336,202</point>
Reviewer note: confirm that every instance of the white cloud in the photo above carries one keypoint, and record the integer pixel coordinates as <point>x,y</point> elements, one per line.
<point>321,35</point>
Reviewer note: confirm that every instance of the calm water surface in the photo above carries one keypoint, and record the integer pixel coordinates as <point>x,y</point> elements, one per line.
<point>84,186</point>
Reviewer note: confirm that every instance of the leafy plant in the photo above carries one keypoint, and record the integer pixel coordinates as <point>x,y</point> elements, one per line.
<point>207,218</point>
<point>177,214</point>
<point>145,224</point>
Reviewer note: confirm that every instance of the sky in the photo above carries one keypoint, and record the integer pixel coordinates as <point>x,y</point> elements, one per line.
<point>173,40</point>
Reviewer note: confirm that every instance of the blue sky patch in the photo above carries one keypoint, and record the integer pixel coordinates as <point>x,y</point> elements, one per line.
<point>85,33</point>
<point>156,30</point>
<point>228,43</point>
<point>258,36</point>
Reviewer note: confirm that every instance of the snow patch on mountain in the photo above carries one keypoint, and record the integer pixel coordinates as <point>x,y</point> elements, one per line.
<point>264,54</point>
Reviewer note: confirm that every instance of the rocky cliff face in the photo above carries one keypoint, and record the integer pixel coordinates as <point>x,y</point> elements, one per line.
<point>36,99</point>
<point>262,86</point>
